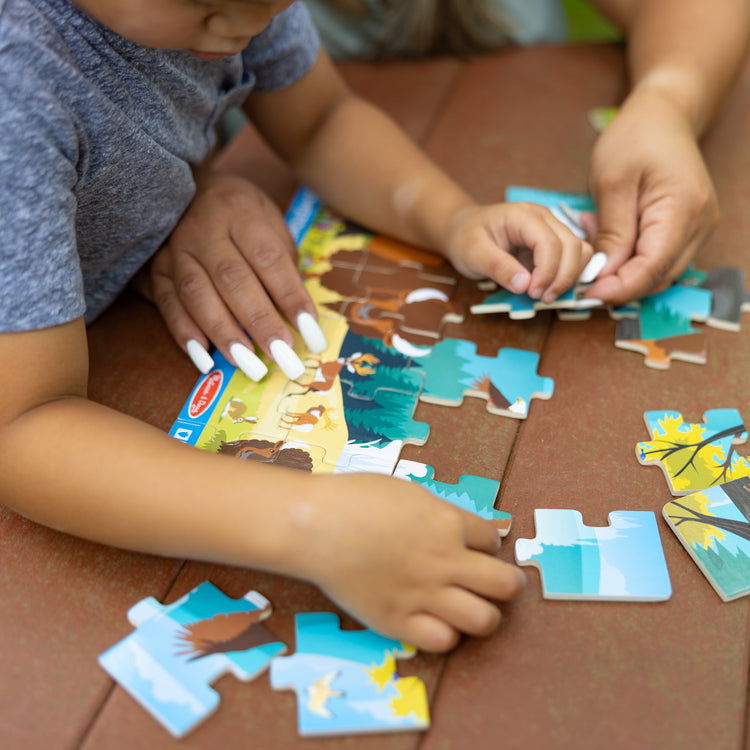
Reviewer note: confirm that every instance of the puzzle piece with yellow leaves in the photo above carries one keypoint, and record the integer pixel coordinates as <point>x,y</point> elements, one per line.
<point>346,680</point>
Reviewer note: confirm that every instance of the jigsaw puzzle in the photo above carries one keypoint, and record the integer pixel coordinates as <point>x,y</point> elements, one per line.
<point>382,307</point>
<point>475,494</point>
<point>178,650</point>
<point>346,680</point>
<point>730,300</point>
<point>714,527</point>
<point>694,456</point>
<point>620,562</point>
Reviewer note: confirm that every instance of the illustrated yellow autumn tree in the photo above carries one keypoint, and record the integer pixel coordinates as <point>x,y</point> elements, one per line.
<point>693,457</point>
<point>411,696</point>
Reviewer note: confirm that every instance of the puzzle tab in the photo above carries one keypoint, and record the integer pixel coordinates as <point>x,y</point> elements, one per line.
<point>714,527</point>
<point>620,562</point>
<point>694,456</point>
<point>177,650</point>
<point>346,681</point>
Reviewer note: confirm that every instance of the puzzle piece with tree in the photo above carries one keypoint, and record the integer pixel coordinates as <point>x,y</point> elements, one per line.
<point>346,680</point>
<point>620,562</point>
<point>714,527</point>
<point>178,650</point>
<point>694,456</point>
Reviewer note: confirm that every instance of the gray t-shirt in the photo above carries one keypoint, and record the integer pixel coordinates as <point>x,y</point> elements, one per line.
<point>97,139</point>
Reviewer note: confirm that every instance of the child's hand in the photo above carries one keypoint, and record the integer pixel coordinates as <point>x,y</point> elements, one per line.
<point>491,242</point>
<point>656,202</point>
<point>403,562</point>
<point>229,264</point>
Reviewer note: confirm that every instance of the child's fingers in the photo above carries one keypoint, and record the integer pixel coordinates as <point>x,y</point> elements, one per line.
<point>465,611</point>
<point>430,633</point>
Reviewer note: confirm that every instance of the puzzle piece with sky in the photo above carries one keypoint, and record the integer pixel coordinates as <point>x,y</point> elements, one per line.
<point>620,562</point>
<point>694,456</point>
<point>346,680</point>
<point>178,650</point>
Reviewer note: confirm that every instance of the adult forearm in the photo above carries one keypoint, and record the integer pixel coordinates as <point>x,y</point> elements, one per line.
<point>690,51</point>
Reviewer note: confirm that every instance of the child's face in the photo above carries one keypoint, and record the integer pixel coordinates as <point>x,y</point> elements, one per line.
<point>210,29</point>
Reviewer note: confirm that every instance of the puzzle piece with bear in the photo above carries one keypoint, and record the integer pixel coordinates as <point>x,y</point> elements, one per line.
<point>178,650</point>
<point>346,681</point>
<point>620,562</point>
<point>694,456</point>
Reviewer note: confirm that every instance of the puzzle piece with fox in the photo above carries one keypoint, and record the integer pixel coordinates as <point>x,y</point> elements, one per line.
<point>178,650</point>
<point>472,493</point>
<point>694,456</point>
<point>620,562</point>
<point>346,681</point>
<point>661,328</point>
<point>509,381</point>
<point>714,527</point>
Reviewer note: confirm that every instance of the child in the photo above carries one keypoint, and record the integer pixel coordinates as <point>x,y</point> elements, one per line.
<point>108,109</point>
<point>656,202</point>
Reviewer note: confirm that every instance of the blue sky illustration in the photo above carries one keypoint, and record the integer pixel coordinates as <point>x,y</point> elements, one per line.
<point>624,560</point>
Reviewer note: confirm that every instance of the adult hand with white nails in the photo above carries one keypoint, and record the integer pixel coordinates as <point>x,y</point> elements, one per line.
<point>228,275</point>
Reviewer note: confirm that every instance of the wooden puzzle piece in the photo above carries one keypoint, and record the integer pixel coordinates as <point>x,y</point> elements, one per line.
<point>508,381</point>
<point>472,493</point>
<point>727,285</point>
<point>169,662</point>
<point>714,527</point>
<point>661,329</point>
<point>600,117</point>
<point>522,306</point>
<point>694,456</point>
<point>620,562</point>
<point>346,681</point>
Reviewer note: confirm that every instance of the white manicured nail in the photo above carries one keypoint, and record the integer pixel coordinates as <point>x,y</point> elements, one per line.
<point>201,358</point>
<point>291,365</point>
<point>248,362</point>
<point>593,268</point>
<point>311,333</point>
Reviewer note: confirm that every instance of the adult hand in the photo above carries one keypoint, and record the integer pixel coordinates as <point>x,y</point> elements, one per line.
<point>656,202</point>
<point>228,274</point>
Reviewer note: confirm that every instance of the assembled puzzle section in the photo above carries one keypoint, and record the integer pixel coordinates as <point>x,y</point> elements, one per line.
<point>346,680</point>
<point>714,527</point>
<point>694,456</point>
<point>474,494</point>
<point>352,410</point>
<point>178,650</point>
<point>620,562</point>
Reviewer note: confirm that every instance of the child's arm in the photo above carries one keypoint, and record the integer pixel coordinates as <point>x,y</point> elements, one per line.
<point>356,158</point>
<point>402,561</point>
<point>359,161</point>
<point>657,204</point>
